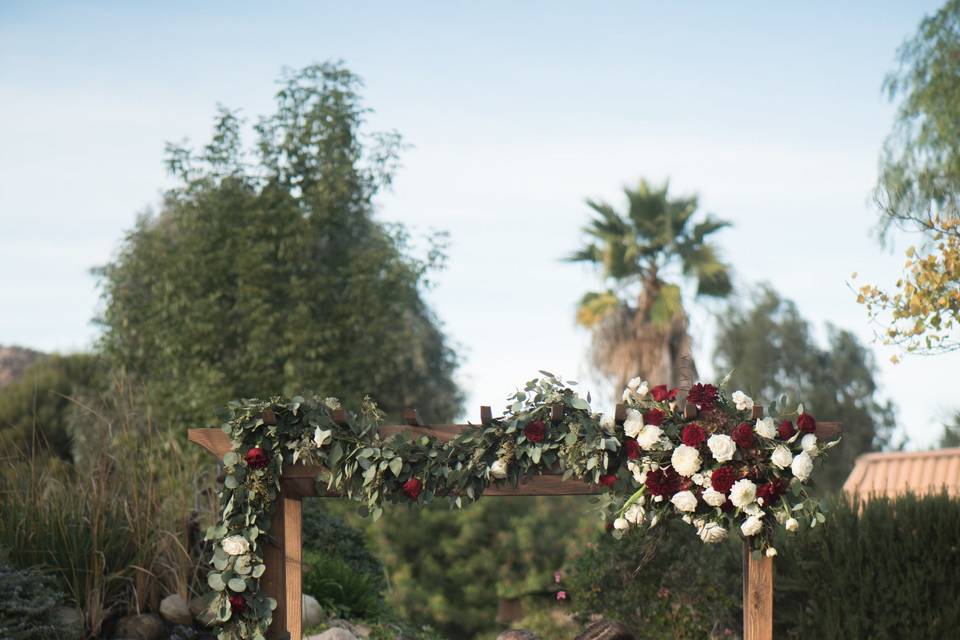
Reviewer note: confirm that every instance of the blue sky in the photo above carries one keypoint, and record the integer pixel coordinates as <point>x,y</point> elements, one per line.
<point>516,111</point>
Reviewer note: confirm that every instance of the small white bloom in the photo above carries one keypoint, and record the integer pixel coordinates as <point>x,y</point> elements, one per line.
<point>700,479</point>
<point>608,422</point>
<point>754,509</point>
<point>766,428</point>
<point>751,526</point>
<point>802,466</point>
<point>322,436</point>
<point>633,423</point>
<point>684,501</point>
<point>722,447</point>
<point>743,493</point>
<point>332,403</point>
<point>649,436</point>
<point>658,498</point>
<point>235,545</point>
<point>687,519</point>
<point>771,552</point>
<point>498,469</point>
<point>639,472</point>
<point>685,460</point>
<point>809,444</point>
<point>634,383</point>
<point>625,397</point>
<point>792,524</point>
<point>635,514</point>
<point>621,524</point>
<point>655,519</point>
<point>713,497</point>
<point>712,533</point>
<point>742,401</point>
<point>781,457</point>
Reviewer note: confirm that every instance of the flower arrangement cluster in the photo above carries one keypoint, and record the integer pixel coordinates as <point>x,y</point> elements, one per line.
<point>715,472</point>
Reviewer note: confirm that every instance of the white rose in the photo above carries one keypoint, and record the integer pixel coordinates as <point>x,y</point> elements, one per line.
<point>713,497</point>
<point>802,466</point>
<point>722,447</point>
<point>635,383</point>
<point>809,444</point>
<point>633,424</point>
<point>712,533</point>
<point>498,469</point>
<point>771,552</point>
<point>649,436</point>
<point>684,501</point>
<point>751,526</point>
<point>685,460</point>
<point>791,524</point>
<point>635,514</point>
<point>621,524</point>
<point>322,436</point>
<point>742,400</point>
<point>608,422</point>
<point>743,493</point>
<point>235,545</point>
<point>766,428</point>
<point>781,457</point>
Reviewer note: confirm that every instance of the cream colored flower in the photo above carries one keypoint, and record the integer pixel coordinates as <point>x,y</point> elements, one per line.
<point>322,436</point>
<point>649,436</point>
<point>742,401</point>
<point>713,497</point>
<point>722,447</point>
<point>498,469</point>
<point>608,422</point>
<point>712,533</point>
<point>621,524</point>
<point>809,444</point>
<point>235,545</point>
<point>766,428</point>
<point>751,526</point>
<point>802,466</point>
<point>684,501</point>
<point>771,552</point>
<point>792,524</point>
<point>781,457</point>
<point>633,423</point>
<point>743,493</point>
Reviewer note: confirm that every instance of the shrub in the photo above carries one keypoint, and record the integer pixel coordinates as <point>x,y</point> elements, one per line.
<point>339,588</point>
<point>28,599</point>
<point>330,536</point>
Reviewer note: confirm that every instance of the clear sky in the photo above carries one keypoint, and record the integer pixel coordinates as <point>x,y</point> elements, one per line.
<point>516,111</point>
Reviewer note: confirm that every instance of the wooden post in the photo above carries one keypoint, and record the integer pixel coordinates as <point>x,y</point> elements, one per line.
<point>283,560</point>
<point>757,596</point>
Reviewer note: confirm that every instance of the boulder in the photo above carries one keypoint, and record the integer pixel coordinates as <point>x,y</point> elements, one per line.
<point>147,626</point>
<point>518,634</point>
<point>333,634</point>
<point>356,629</point>
<point>175,610</point>
<point>312,613</point>
<point>204,617</point>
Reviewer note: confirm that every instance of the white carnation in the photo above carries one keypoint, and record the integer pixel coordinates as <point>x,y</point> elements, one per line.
<point>743,493</point>
<point>809,444</point>
<point>792,524</point>
<point>685,460</point>
<point>633,424</point>
<point>648,436</point>
<point>742,401</point>
<point>621,524</point>
<point>713,497</point>
<point>781,457</point>
<point>722,447</point>
<point>802,466</point>
<point>712,533</point>
<point>235,545</point>
<point>322,436</point>
<point>498,469</point>
<point>751,526</point>
<point>684,501</point>
<point>766,428</point>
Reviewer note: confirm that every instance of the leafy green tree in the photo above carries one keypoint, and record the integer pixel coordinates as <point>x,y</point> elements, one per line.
<point>951,433</point>
<point>770,349</point>
<point>267,272</point>
<point>638,322</point>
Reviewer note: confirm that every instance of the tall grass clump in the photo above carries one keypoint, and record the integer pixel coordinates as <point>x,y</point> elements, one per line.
<point>113,525</point>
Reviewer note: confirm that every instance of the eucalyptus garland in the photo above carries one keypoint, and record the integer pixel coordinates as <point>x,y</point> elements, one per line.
<point>716,471</point>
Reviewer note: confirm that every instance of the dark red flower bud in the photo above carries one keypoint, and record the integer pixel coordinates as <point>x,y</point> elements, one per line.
<point>806,423</point>
<point>257,458</point>
<point>535,431</point>
<point>412,488</point>
<point>661,394</point>
<point>237,603</point>
<point>785,430</point>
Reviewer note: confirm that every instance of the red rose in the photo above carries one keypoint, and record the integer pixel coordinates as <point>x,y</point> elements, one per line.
<point>632,448</point>
<point>237,603</point>
<point>721,479</point>
<point>608,480</point>
<point>772,490</point>
<point>703,395</point>
<point>693,435</point>
<point>660,393</point>
<point>412,488</point>
<point>743,435</point>
<point>806,423</point>
<point>785,430</point>
<point>535,431</point>
<point>663,482</point>
<point>654,417</point>
<point>257,458</point>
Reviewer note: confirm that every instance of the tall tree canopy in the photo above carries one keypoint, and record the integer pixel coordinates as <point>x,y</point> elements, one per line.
<point>267,272</point>
<point>770,349</point>
<point>643,255</point>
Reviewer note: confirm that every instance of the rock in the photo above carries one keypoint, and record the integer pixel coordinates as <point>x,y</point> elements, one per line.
<point>518,634</point>
<point>606,629</point>
<point>147,626</point>
<point>312,613</point>
<point>333,634</point>
<point>356,629</point>
<point>204,617</point>
<point>174,610</point>
<point>69,618</point>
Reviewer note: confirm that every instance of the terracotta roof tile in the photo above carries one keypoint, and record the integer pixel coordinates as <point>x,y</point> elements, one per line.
<point>898,472</point>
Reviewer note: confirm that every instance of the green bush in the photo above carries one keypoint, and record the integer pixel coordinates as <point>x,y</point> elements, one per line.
<point>893,571</point>
<point>330,536</point>
<point>28,600</point>
<point>341,589</point>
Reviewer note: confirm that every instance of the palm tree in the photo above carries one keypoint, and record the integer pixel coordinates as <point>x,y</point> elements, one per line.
<point>638,322</point>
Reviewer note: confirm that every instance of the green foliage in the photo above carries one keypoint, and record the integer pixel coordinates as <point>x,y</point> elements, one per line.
<point>340,589</point>
<point>28,600</point>
<point>328,535</point>
<point>266,270</point>
<point>882,570</point>
<point>951,433</point>
<point>836,383</point>
<point>35,409</point>
<point>920,166</point>
<point>662,582</point>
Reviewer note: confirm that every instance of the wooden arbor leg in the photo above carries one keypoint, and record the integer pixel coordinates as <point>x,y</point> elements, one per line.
<point>757,596</point>
<point>283,562</point>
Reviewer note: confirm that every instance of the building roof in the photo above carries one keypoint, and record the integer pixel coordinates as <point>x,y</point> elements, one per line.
<point>898,472</point>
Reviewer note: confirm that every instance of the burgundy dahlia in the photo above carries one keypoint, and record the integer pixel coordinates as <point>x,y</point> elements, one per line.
<point>693,435</point>
<point>703,395</point>
<point>743,435</point>
<point>632,447</point>
<point>663,482</point>
<point>654,417</point>
<point>722,479</point>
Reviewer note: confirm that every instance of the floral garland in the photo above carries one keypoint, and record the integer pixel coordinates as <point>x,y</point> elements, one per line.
<point>716,472</point>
